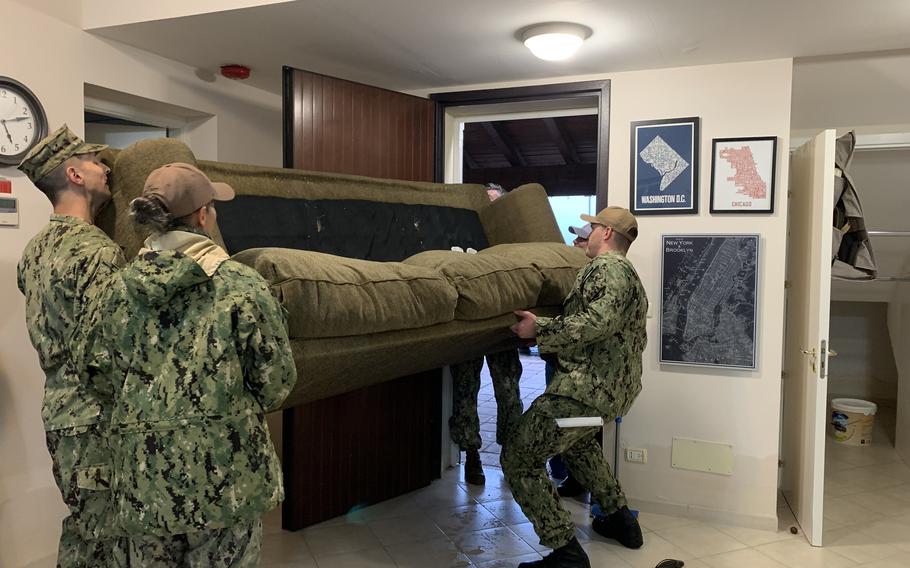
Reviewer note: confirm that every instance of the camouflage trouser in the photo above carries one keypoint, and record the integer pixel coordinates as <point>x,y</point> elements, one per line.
<point>536,438</point>
<point>236,546</point>
<point>505,370</point>
<point>81,469</point>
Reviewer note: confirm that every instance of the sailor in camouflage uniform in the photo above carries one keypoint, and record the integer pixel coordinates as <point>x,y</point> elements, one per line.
<point>598,342</point>
<point>505,372</point>
<point>193,350</point>
<point>62,268</point>
<point>464,424</point>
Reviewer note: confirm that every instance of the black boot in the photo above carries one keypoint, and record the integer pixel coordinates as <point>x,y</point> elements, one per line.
<point>570,487</point>
<point>670,563</point>
<point>473,470</point>
<point>571,555</point>
<point>620,526</point>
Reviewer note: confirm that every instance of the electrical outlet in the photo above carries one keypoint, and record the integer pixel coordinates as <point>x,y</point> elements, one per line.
<point>636,455</point>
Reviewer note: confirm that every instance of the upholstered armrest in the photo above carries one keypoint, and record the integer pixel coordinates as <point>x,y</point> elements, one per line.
<point>521,216</point>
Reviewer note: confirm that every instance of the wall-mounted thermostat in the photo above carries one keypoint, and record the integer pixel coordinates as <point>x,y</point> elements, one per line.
<point>9,212</point>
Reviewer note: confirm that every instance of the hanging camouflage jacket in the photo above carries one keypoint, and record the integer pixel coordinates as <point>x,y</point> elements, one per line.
<point>599,339</point>
<point>192,361</point>
<point>62,268</point>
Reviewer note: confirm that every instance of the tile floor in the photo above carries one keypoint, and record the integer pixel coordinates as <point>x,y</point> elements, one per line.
<point>449,523</point>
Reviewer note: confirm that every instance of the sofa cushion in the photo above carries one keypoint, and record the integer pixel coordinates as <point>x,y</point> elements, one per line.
<point>488,285</point>
<point>557,263</point>
<point>333,296</point>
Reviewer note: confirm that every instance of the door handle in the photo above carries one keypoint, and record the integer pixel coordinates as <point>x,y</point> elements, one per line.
<point>810,352</point>
<point>832,353</point>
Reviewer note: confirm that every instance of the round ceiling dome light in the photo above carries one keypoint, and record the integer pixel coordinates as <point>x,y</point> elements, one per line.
<point>555,41</point>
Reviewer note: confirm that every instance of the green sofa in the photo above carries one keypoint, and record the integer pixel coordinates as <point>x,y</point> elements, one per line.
<point>354,322</point>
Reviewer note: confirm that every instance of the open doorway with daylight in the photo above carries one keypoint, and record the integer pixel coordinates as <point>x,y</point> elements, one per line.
<point>557,150</point>
<point>556,135</point>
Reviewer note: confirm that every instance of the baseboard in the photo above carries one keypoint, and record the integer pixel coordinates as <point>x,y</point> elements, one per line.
<point>705,514</point>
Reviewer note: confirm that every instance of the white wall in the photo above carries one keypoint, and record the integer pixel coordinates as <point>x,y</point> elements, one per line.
<point>30,505</point>
<point>737,407</point>
<point>242,124</point>
<point>864,366</point>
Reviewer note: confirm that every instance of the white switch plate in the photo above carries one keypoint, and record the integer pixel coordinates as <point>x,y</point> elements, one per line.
<point>635,455</point>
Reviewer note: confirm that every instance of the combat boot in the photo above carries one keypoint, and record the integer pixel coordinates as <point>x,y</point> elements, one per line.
<point>621,526</point>
<point>473,470</point>
<point>571,555</point>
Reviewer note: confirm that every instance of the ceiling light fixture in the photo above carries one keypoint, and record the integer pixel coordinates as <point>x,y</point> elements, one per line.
<point>555,41</point>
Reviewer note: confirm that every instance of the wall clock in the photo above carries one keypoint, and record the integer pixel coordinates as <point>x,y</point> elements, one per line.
<point>22,121</point>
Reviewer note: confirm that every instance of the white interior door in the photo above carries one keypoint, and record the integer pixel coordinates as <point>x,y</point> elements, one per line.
<point>806,350</point>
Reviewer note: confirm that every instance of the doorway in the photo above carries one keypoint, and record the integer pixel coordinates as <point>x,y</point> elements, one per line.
<point>844,340</point>
<point>867,485</point>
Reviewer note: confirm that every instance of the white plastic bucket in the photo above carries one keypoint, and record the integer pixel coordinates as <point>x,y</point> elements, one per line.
<point>852,420</point>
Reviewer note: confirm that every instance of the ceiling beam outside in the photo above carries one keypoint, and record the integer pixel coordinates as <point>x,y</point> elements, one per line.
<point>562,140</point>
<point>504,144</point>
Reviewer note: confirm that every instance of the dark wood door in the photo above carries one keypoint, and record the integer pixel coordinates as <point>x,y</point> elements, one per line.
<point>369,445</point>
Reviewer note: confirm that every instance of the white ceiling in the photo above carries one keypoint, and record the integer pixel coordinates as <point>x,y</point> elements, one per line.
<point>415,45</point>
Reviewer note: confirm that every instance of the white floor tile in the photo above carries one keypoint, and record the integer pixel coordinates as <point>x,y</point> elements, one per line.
<point>509,562</point>
<point>796,553</point>
<point>506,510</point>
<point>340,539</point>
<point>604,554</point>
<point>857,546</point>
<point>411,528</point>
<point>491,544</point>
<point>656,521</point>
<point>465,519</point>
<point>893,530</point>
<point>755,537</point>
<point>436,553</point>
<point>371,558</point>
<point>654,550</point>
<point>700,540</point>
<point>746,558</point>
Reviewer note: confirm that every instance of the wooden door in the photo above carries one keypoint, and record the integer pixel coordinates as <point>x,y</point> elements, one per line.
<point>376,443</point>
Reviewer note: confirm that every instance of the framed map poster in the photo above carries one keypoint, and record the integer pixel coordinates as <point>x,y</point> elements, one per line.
<point>742,174</point>
<point>664,167</point>
<point>708,300</point>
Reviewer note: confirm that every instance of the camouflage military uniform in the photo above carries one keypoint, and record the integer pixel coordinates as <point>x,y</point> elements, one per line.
<point>193,360</point>
<point>238,546</point>
<point>598,342</point>
<point>62,268</point>
<point>505,370</point>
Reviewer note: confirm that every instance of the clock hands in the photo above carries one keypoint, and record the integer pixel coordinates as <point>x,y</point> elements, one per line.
<point>8,135</point>
<point>17,118</point>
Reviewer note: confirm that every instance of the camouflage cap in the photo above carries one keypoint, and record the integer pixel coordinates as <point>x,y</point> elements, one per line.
<point>53,150</point>
<point>619,219</point>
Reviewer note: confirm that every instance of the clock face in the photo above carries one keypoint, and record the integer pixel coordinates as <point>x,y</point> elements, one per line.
<point>22,121</point>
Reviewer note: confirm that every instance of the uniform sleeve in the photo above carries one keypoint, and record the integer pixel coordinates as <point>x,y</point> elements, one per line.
<point>268,365</point>
<point>613,290</point>
<point>95,274</point>
<point>91,346</point>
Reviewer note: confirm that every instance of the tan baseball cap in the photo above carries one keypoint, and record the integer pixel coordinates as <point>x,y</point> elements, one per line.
<point>617,218</point>
<point>182,188</point>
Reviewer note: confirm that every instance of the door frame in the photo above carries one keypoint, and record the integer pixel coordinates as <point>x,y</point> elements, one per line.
<point>599,89</point>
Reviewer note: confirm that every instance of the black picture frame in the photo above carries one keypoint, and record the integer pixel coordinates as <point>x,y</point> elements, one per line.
<point>654,189</point>
<point>723,199</point>
<point>705,320</point>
